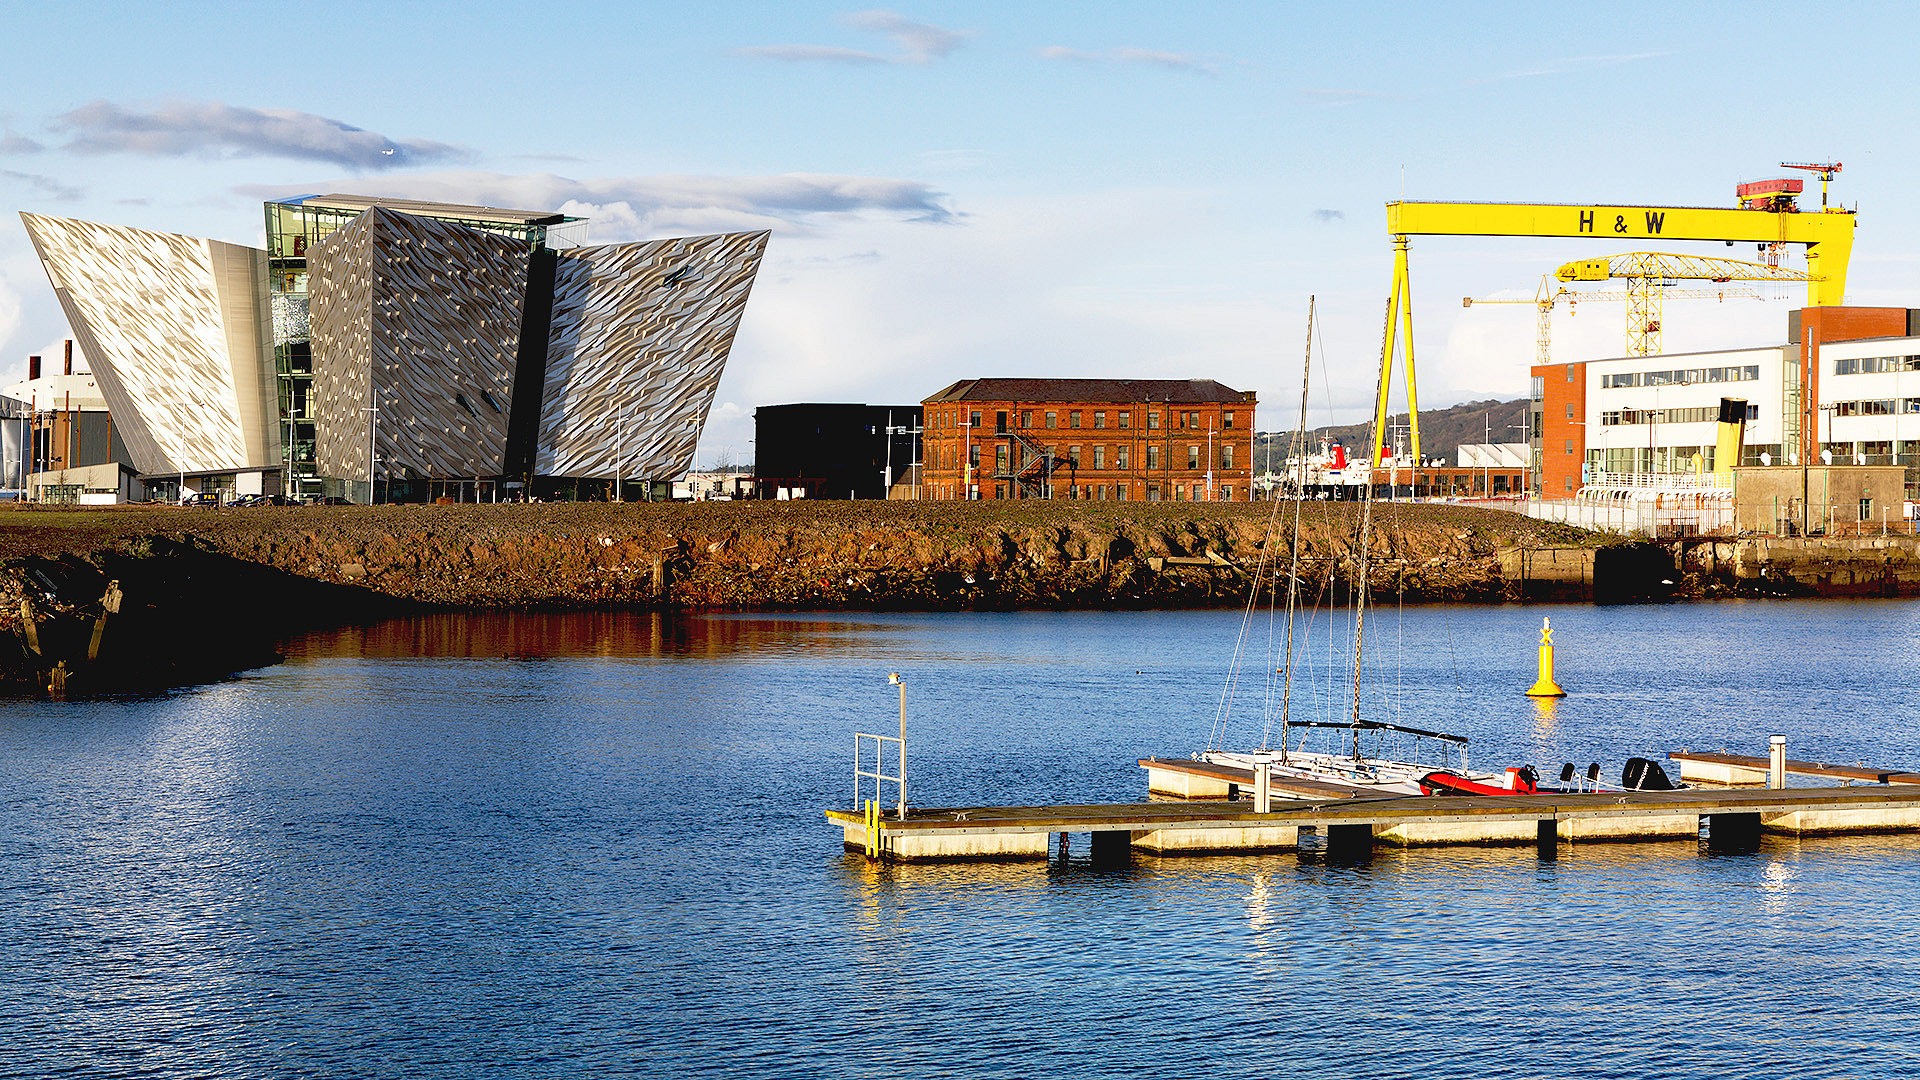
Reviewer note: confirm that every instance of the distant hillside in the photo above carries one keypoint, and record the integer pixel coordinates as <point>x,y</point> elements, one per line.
<point>1441,430</point>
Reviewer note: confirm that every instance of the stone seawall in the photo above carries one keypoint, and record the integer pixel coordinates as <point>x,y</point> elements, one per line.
<point>1863,566</point>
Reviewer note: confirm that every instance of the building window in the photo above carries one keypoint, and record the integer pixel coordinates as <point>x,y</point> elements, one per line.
<point>1073,419</point>
<point>1153,492</point>
<point>1099,457</point>
<point>1120,456</point>
<point>1226,456</point>
<point>1073,456</point>
<point>1569,372</point>
<point>1126,419</point>
<point>973,456</point>
<point>1153,460</point>
<point>1193,457</point>
<point>976,420</point>
<point>1226,493</point>
<point>1569,446</point>
<point>1026,419</point>
<point>1000,458</point>
<point>1053,420</point>
<point>1153,423</point>
<point>1569,410</point>
<point>1228,421</point>
<point>1120,493</point>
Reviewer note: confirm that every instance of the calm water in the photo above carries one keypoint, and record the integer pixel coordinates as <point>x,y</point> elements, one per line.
<point>564,846</point>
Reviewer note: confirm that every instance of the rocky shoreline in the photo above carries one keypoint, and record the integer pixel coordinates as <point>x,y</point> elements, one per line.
<point>150,596</point>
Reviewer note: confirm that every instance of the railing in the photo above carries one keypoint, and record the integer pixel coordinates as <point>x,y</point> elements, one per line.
<point>877,773</point>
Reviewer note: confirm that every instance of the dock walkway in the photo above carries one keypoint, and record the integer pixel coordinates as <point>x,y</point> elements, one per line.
<point>1732,815</point>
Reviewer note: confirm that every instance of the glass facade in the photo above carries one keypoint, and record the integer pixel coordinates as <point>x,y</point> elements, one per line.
<point>292,227</point>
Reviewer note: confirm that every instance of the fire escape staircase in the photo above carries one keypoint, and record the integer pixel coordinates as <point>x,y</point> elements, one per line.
<point>1033,476</point>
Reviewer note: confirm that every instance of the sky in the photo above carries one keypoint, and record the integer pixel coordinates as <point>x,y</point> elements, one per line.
<point>973,190</point>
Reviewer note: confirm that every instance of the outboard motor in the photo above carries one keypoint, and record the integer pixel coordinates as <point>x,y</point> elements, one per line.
<point>1640,774</point>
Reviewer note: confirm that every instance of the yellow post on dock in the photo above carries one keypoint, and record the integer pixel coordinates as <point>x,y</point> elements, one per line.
<point>1544,686</point>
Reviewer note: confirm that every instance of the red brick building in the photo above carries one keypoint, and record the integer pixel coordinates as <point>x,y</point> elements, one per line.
<point>1139,440</point>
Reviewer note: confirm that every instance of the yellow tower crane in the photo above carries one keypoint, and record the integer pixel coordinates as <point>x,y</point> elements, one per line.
<point>1551,294</point>
<point>1828,238</point>
<point>1646,274</point>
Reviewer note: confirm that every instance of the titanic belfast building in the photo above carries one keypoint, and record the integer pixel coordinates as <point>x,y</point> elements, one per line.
<point>399,349</point>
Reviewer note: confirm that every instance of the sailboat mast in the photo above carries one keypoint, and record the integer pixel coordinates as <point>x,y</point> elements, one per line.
<point>1366,548</point>
<point>1296,452</point>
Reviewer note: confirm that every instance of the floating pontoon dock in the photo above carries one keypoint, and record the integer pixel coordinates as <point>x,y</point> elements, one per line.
<point>1337,821</point>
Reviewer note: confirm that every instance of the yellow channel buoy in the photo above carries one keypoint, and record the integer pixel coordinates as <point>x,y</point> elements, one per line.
<point>1544,686</point>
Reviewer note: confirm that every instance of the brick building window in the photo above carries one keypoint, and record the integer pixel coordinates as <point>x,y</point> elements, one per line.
<point>1228,421</point>
<point>1026,418</point>
<point>1120,493</point>
<point>1193,457</point>
<point>1099,420</point>
<point>1120,456</point>
<point>1099,457</point>
<point>1226,456</point>
<point>1053,420</point>
<point>1153,492</point>
<point>1126,419</point>
<point>1073,419</point>
<point>976,420</point>
<point>1153,459</point>
<point>1073,455</point>
<point>1153,422</point>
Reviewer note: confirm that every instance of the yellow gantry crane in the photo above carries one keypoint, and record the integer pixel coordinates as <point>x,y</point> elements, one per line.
<point>1828,237</point>
<point>1648,276</point>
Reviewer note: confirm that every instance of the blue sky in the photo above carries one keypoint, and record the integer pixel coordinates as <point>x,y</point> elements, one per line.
<point>966,190</point>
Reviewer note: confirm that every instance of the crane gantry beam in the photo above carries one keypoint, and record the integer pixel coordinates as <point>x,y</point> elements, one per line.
<point>1828,237</point>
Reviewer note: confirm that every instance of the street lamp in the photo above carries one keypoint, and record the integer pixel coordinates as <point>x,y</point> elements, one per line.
<point>373,436</point>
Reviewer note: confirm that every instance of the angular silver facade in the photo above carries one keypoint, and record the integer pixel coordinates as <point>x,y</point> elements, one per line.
<point>419,319</point>
<point>176,329</point>
<point>639,337</point>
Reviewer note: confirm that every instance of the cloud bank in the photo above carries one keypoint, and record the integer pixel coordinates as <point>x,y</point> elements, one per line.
<point>915,42</point>
<point>214,129</point>
<point>629,207</point>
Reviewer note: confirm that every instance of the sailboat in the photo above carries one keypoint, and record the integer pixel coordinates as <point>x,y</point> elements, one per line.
<point>1367,756</point>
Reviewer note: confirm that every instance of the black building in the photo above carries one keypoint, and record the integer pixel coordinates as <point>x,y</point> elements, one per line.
<point>828,451</point>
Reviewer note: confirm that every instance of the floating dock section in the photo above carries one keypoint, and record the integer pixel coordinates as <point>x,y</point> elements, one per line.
<point>1336,821</point>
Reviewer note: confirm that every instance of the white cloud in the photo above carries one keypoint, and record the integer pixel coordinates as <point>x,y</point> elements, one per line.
<point>1172,61</point>
<point>214,129</point>
<point>44,185</point>
<point>916,42</point>
<point>630,207</point>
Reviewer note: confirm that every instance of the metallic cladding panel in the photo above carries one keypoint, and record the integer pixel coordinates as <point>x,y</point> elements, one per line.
<point>340,283</point>
<point>429,312</point>
<point>169,324</point>
<point>640,336</point>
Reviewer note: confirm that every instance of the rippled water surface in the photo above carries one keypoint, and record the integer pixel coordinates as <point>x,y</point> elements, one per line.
<point>593,845</point>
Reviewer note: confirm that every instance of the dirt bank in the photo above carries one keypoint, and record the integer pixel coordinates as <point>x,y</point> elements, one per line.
<point>145,595</point>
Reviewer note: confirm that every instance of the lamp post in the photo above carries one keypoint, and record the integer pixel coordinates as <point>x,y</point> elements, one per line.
<point>894,678</point>
<point>373,437</point>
